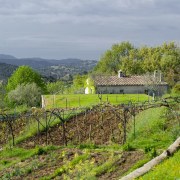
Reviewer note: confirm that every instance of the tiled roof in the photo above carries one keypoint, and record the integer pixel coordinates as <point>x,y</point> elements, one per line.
<point>116,81</point>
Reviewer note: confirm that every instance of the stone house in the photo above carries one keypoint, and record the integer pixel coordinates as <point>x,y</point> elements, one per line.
<point>121,84</point>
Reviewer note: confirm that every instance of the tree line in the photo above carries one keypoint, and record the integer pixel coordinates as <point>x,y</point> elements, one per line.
<point>140,60</point>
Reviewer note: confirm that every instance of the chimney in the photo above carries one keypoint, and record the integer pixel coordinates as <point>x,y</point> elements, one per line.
<point>120,74</point>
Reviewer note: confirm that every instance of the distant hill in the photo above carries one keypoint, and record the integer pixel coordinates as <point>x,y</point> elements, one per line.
<point>5,56</point>
<point>6,70</point>
<point>51,67</point>
<point>32,62</point>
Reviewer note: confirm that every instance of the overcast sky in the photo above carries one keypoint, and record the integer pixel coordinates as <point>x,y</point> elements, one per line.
<point>84,28</point>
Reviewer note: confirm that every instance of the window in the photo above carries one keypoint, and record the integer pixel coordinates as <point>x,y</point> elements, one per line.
<point>121,91</point>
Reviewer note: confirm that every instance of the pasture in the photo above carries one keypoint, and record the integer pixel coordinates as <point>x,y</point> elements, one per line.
<point>84,100</point>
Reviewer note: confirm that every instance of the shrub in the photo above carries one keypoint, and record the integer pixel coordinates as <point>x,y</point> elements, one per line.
<point>40,151</point>
<point>176,89</point>
<point>128,147</point>
<point>21,95</point>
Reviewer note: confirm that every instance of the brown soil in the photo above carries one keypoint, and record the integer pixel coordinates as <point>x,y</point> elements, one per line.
<point>44,165</point>
<point>99,128</point>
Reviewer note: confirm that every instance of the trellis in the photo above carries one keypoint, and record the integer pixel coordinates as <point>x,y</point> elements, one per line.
<point>99,124</point>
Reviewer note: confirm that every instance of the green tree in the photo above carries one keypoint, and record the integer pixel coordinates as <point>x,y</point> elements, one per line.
<point>56,87</point>
<point>25,75</point>
<point>25,94</point>
<point>79,83</point>
<point>131,60</point>
<point>111,60</point>
<point>2,95</point>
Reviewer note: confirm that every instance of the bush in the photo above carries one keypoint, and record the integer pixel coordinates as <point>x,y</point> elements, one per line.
<point>176,89</point>
<point>40,151</point>
<point>29,94</point>
<point>128,147</point>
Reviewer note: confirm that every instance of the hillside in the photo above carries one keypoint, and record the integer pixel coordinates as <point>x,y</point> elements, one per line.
<point>54,69</point>
<point>6,70</point>
<point>99,155</point>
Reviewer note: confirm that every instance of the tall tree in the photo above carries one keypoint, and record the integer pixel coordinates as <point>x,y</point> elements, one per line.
<point>25,75</point>
<point>131,60</point>
<point>111,60</point>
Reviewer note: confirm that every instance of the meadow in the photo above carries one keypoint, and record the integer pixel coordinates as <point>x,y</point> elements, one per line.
<point>87,100</point>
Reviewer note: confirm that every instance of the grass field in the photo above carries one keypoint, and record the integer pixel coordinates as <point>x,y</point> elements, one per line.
<point>168,169</point>
<point>83,100</point>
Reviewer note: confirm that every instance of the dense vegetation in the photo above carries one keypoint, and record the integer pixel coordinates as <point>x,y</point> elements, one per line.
<point>132,60</point>
<point>6,71</point>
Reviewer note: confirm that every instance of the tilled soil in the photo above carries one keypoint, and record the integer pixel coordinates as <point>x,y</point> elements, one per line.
<point>44,165</point>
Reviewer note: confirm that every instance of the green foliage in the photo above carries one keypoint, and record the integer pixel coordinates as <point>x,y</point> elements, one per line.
<point>131,60</point>
<point>96,171</point>
<point>25,94</point>
<point>6,70</point>
<point>176,89</point>
<point>168,169</point>
<point>111,60</point>
<point>79,83</point>
<point>70,165</point>
<point>2,95</point>
<point>128,147</point>
<point>25,75</point>
<point>88,146</point>
<point>9,157</point>
<point>40,150</point>
<point>57,87</point>
<point>156,126</point>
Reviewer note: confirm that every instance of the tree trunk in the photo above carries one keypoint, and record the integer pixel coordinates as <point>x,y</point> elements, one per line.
<point>148,166</point>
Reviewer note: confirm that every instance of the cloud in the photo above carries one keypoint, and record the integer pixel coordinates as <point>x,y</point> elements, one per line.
<point>85,25</point>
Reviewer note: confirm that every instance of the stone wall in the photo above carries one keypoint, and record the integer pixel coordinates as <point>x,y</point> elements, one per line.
<point>129,89</point>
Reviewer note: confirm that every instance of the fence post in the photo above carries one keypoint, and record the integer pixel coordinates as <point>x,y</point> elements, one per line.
<point>79,101</point>
<point>134,114</point>
<point>124,139</point>
<point>66,103</point>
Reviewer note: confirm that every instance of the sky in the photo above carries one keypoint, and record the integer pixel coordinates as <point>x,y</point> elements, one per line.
<point>85,29</point>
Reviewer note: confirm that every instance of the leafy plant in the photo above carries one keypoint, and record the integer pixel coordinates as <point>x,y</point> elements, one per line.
<point>128,147</point>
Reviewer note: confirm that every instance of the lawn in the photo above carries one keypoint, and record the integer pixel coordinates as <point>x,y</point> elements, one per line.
<point>84,100</point>
<point>168,169</point>
<point>153,129</point>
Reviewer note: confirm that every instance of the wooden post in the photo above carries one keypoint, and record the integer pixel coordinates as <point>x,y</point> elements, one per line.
<point>66,103</point>
<point>124,138</point>
<point>134,125</point>
<point>54,101</point>
<point>79,101</point>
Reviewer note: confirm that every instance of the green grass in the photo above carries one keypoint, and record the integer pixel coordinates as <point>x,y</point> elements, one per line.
<point>8,157</point>
<point>84,100</point>
<point>168,169</point>
<point>32,129</point>
<point>153,130</point>
<point>96,171</point>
